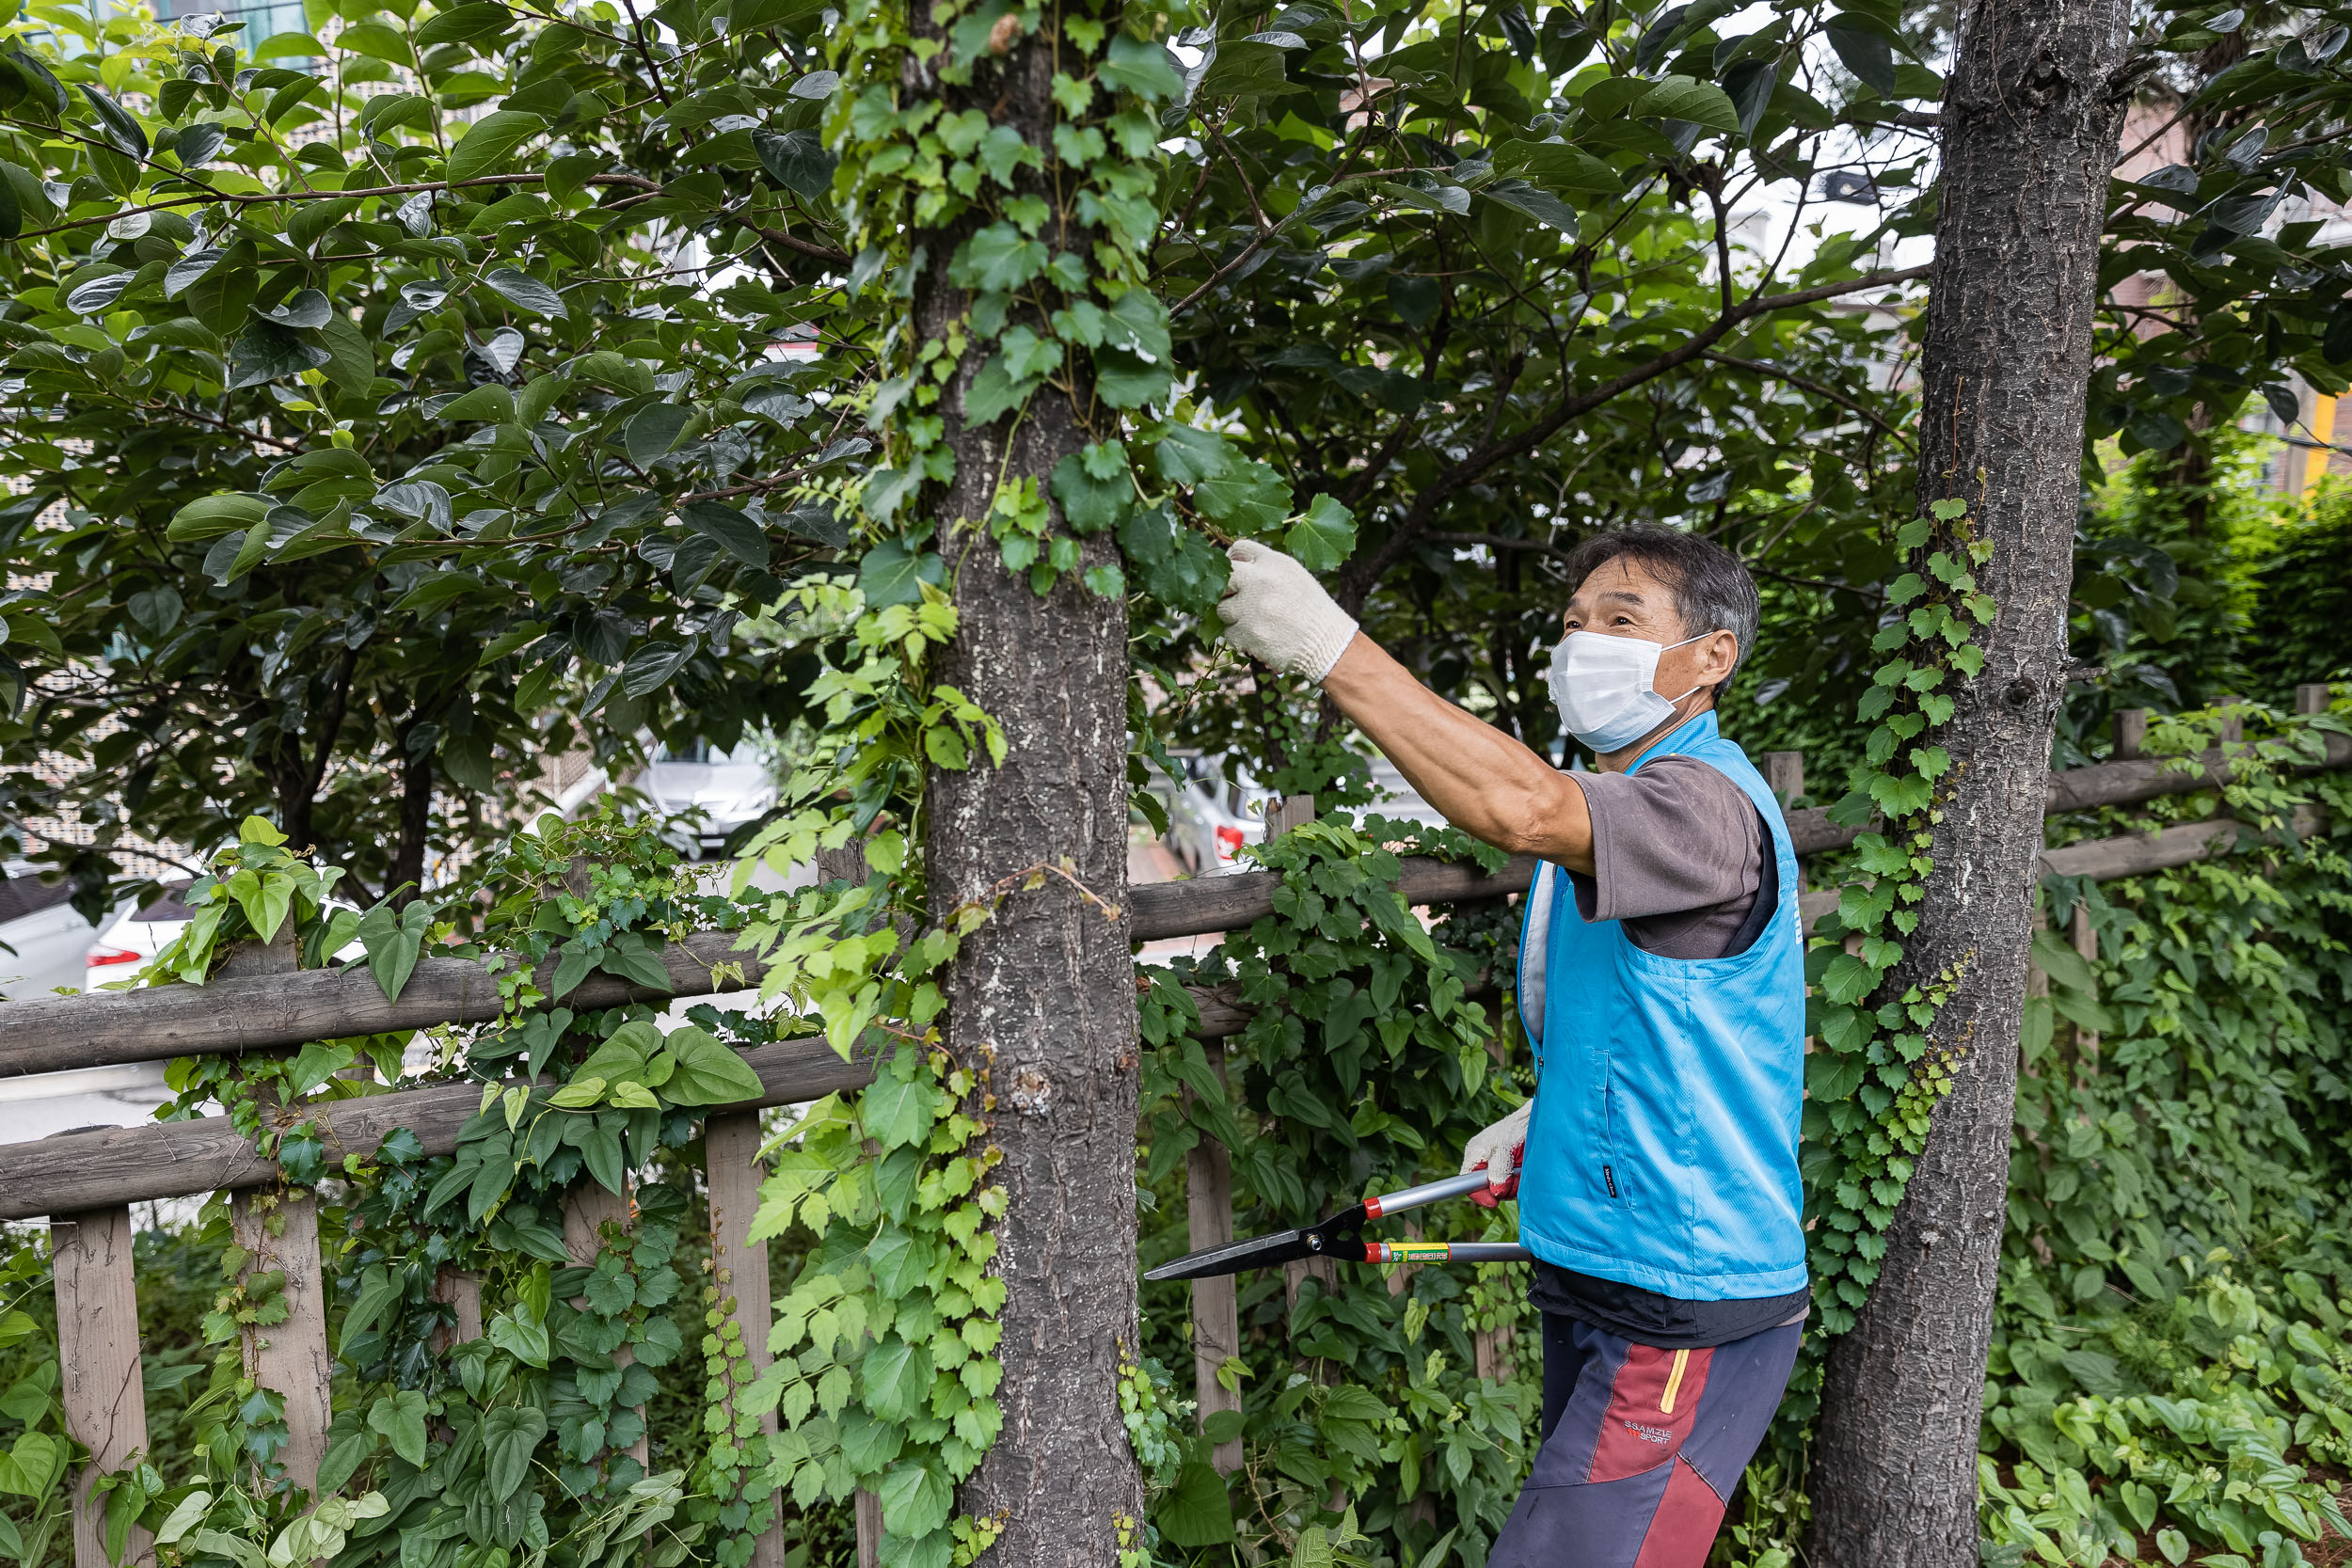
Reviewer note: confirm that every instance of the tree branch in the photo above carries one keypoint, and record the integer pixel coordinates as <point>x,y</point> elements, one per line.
<point>1357,580</point>
<point>262,199</point>
<point>1818,389</point>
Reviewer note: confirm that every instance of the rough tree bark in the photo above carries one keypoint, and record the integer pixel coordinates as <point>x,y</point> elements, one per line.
<point>1045,991</point>
<point>2032,119</point>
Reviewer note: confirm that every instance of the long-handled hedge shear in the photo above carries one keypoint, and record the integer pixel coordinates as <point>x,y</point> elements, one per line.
<point>1340,1237</point>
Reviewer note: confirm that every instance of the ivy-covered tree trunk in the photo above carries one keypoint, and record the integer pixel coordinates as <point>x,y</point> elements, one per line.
<point>2031,117</point>
<point>1043,996</point>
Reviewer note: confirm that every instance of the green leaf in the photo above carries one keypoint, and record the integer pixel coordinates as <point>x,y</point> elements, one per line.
<point>400,1416</point>
<point>998,257</point>
<point>1146,70</point>
<point>896,1378</point>
<point>267,352</point>
<point>1244,69</point>
<point>1864,53</point>
<point>343,1456</point>
<point>1683,98</point>
<point>1323,537</point>
<point>509,1433</point>
<point>493,137</point>
<point>463,25</point>
<point>1088,504</point>
<point>1195,1512</point>
<point>709,1072</point>
<point>1542,206</point>
<point>731,528</point>
<point>2066,968</point>
<point>213,516</point>
<point>490,404</point>
<point>890,573</point>
<point>521,288</point>
<point>916,1499</point>
<point>654,429</point>
<point>121,126</point>
<point>630,956</point>
<point>797,160</point>
<point>393,941</point>
<point>380,1288</point>
<point>897,1111</point>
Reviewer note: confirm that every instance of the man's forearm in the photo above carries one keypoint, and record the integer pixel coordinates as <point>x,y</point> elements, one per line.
<point>1481,780</point>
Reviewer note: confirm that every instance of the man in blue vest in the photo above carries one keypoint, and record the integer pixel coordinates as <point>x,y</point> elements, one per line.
<point>1661,985</point>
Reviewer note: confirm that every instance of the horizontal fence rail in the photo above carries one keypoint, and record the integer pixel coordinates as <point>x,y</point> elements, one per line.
<point>109,1166</point>
<point>228,1017</point>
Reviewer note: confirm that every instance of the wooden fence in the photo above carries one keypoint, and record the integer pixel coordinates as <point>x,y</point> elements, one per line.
<point>85,1181</point>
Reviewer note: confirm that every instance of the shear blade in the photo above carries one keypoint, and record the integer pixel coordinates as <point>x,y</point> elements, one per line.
<point>1255,1253</point>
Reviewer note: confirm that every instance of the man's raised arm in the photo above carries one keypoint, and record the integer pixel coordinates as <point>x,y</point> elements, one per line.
<point>1484,782</point>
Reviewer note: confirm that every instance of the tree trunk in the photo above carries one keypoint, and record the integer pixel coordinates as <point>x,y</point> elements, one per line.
<point>1043,994</point>
<point>2031,118</point>
<point>416,822</point>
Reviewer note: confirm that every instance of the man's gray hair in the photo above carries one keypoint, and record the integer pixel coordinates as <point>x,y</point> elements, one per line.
<point>1712,589</point>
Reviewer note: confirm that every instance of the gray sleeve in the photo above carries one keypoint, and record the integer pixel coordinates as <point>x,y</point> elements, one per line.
<point>1674,837</point>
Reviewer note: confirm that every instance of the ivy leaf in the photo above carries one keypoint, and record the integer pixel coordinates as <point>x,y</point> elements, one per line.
<point>1146,70</point>
<point>890,574</point>
<point>1197,1511</point>
<point>997,259</point>
<point>509,1433</point>
<point>896,1378</point>
<point>601,1150</point>
<point>916,1499</point>
<point>400,1416</point>
<point>394,942</point>
<point>379,1290</point>
<point>629,956</point>
<point>1323,538</point>
<point>709,1074</point>
<point>896,1110</point>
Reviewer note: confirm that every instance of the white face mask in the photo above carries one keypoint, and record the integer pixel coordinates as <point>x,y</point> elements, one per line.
<point>1606,688</point>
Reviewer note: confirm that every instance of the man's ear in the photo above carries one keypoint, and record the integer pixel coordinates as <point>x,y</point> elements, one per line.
<point>1722,649</point>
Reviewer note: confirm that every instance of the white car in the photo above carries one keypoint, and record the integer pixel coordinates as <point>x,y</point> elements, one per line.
<point>48,941</point>
<point>134,937</point>
<point>720,790</point>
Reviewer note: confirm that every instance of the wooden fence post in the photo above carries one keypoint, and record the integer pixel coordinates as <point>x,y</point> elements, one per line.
<point>1215,1305</point>
<point>2233,724</point>
<point>2314,697</point>
<point>870,1529</point>
<point>2130,733</point>
<point>1785,773</point>
<point>587,1209</point>
<point>280,1234</point>
<point>98,1349</point>
<point>739,1265</point>
<point>462,1293</point>
<point>2086,943</point>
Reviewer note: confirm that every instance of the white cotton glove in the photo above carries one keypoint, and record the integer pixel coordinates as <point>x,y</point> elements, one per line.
<point>1498,1150</point>
<point>1275,612</point>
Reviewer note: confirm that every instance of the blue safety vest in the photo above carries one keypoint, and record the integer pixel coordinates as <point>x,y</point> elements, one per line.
<point>1662,1151</point>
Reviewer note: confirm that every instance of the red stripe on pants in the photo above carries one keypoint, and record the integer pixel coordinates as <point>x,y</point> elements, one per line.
<point>1637,1431</point>
<point>1683,1529</point>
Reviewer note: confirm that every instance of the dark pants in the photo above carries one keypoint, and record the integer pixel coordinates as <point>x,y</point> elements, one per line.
<point>1642,1446</point>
